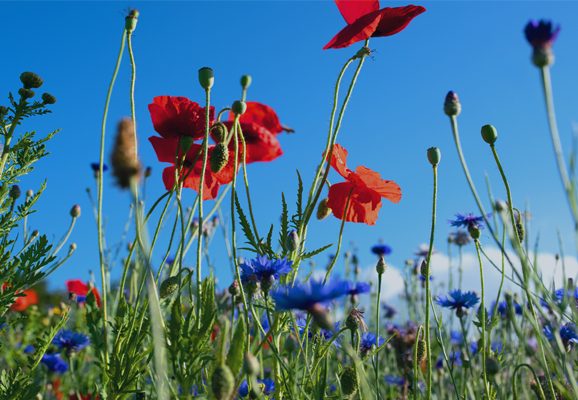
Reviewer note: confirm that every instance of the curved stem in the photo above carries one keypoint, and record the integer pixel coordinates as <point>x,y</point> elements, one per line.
<point>132,84</point>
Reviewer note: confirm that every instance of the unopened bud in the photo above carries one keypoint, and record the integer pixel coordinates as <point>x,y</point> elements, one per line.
<point>452,105</point>
<point>492,366</point>
<point>222,382</point>
<point>30,80</point>
<point>434,156</point>
<point>34,234</point>
<point>206,78</point>
<point>47,98</point>
<point>75,211</point>
<point>421,350</point>
<point>15,192</point>
<point>72,247</point>
<point>474,231</point>
<point>219,157</point>
<point>131,20</point>
<point>234,289</point>
<point>246,81</point>
<point>169,286</point>
<point>323,209</point>
<point>321,317</point>
<point>489,134</point>
<point>239,107</point>
<point>380,267</point>
<point>348,380</point>
<point>26,93</point>
<point>220,132</point>
<point>292,241</point>
<point>251,364</point>
<point>29,193</point>
<point>148,171</point>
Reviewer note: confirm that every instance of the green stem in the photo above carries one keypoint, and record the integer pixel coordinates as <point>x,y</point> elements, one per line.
<point>427,283</point>
<point>132,85</point>
<point>377,306</point>
<point>483,321</point>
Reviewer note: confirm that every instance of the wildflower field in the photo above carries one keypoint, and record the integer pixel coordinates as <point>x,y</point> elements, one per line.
<point>215,249</point>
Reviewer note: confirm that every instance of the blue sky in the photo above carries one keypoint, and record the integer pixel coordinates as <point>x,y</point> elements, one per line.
<point>474,48</point>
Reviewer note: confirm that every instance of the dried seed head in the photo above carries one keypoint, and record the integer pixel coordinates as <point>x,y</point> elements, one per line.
<point>125,165</point>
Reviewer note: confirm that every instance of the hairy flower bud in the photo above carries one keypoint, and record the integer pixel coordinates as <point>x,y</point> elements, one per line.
<point>380,266</point>
<point>222,382</point>
<point>489,134</point>
<point>239,107</point>
<point>30,80</point>
<point>206,78</point>
<point>219,157</point>
<point>26,93</point>
<point>434,156</point>
<point>47,98</point>
<point>220,132</point>
<point>246,81</point>
<point>452,105</point>
<point>321,317</point>
<point>125,165</point>
<point>323,209</point>
<point>131,20</point>
<point>421,350</point>
<point>492,366</point>
<point>251,364</point>
<point>292,241</point>
<point>15,192</point>
<point>169,286</point>
<point>75,211</point>
<point>348,380</point>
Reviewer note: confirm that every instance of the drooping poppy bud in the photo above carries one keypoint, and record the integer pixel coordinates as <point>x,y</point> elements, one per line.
<point>75,211</point>
<point>323,210</point>
<point>348,380</point>
<point>169,286</point>
<point>222,382</point>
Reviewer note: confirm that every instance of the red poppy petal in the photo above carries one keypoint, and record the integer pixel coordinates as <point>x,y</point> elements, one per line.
<point>394,20</point>
<point>339,160</point>
<point>262,144</point>
<point>192,180</point>
<point>24,300</point>
<point>261,114</point>
<point>169,177</point>
<point>178,116</point>
<point>77,286</point>
<point>388,189</point>
<point>361,29</point>
<point>165,148</point>
<point>351,10</point>
<point>363,207</point>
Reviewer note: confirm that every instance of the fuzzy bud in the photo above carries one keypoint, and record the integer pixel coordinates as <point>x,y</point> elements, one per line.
<point>292,241</point>
<point>323,209</point>
<point>75,211</point>
<point>492,366</point>
<point>15,192</point>
<point>206,78</point>
<point>348,380</point>
<point>220,132</point>
<point>125,165</point>
<point>169,286</point>
<point>452,105</point>
<point>30,80</point>
<point>239,107</point>
<point>26,93</point>
<point>434,156</point>
<point>131,20</point>
<point>520,227</point>
<point>222,382</point>
<point>489,134</point>
<point>251,364</point>
<point>219,157</point>
<point>246,81</point>
<point>380,266</point>
<point>47,98</point>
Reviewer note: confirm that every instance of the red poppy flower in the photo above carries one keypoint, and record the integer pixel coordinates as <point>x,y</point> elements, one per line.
<point>24,300</point>
<point>365,19</point>
<point>174,117</point>
<point>260,125</point>
<point>365,187</point>
<point>80,288</point>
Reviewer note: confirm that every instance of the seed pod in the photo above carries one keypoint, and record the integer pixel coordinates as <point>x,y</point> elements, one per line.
<point>219,157</point>
<point>222,382</point>
<point>125,165</point>
<point>169,286</point>
<point>349,382</point>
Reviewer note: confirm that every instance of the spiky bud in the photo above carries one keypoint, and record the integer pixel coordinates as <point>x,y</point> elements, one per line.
<point>434,156</point>
<point>169,286</point>
<point>219,157</point>
<point>15,192</point>
<point>26,93</point>
<point>292,241</point>
<point>380,266</point>
<point>206,78</point>
<point>75,211</point>
<point>125,165</point>
<point>222,382</point>
<point>131,20</point>
<point>489,134</point>
<point>348,380</point>
<point>323,210</point>
<point>452,105</point>
<point>30,80</point>
<point>251,364</point>
<point>47,98</point>
<point>220,132</point>
<point>239,107</point>
<point>246,81</point>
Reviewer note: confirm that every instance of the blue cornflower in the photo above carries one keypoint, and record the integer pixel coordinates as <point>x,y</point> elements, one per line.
<point>96,167</point>
<point>356,288</point>
<point>568,333</point>
<point>547,330</point>
<point>455,358</point>
<point>29,349</point>
<point>381,250</point>
<point>368,340</point>
<point>541,34</point>
<point>264,270</point>
<point>394,380</point>
<point>388,311</point>
<point>307,296</point>
<point>456,338</point>
<point>496,347</point>
<point>70,341</point>
<point>564,295</point>
<point>458,300</point>
<point>468,221</point>
<point>55,363</point>
<point>502,308</point>
<point>267,386</point>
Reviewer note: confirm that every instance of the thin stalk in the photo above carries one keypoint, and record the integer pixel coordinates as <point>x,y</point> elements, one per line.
<point>131,94</point>
<point>483,321</point>
<point>377,320</point>
<point>65,237</point>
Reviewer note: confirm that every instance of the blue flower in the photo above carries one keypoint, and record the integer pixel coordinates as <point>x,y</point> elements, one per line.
<point>456,338</point>
<point>541,34</point>
<point>96,167</point>
<point>55,363</point>
<point>306,296</point>
<point>455,358</point>
<point>267,386</point>
<point>358,288</point>
<point>368,340</point>
<point>502,308</point>
<point>381,250</point>
<point>29,349</point>
<point>547,330</point>
<point>388,311</point>
<point>394,380</point>
<point>70,341</point>
<point>468,221</point>
<point>568,333</point>
<point>458,300</point>
<point>262,269</point>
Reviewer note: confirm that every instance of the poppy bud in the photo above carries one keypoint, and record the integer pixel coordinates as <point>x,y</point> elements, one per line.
<point>169,286</point>
<point>219,157</point>
<point>220,132</point>
<point>434,156</point>
<point>348,380</point>
<point>452,105</point>
<point>246,81</point>
<point>380,267</point>
<point>292,241</point>
<point>206,78</point>
<point>323,209</point>
<point>30,80</point>
<point>130,21</point>
<point>222,382</point>
<point>47,98</point>
<point>489,134</point>
<point>72,247</point>
<point>75,211</point>
<point>251,364</point>
<point>543,57</point>
<point>125,165</point>
<point>239,107</point>
<point>15,192</point>
<point>26,93</point>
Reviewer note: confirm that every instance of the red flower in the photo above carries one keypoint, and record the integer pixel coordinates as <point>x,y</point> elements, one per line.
<point>365,187</point>
<point>80,288</point>
<point>365,19</point>
<point>24,300</point>
<point>174,117</point>
<point>260,125</point>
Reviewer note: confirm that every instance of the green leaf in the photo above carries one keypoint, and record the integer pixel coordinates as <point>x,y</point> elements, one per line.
<point>246,227</point>
<point>237,348</point>
<point>313,253</point>
<point>284,232</point>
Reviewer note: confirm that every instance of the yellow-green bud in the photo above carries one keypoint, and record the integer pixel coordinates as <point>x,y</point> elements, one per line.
<point>206,77</point>
<point>434,156</point>
<point>219,157</point>
<point>348,380</point>
<point>323,209</point>
<point>489,134</point>
<point>169,286</point>
<point>75,211</point>
<point>222,382</point>
<point>239,107</point>
<point>47,98</point>
<point>380,267</point>
<point>30,80</point>
<point>130,21</point>
<point>246,81</point>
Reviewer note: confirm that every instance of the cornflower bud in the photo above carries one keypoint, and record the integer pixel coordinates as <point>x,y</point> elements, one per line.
<point>452,105</point>
<point>380,267</point>
<point>75,211</point>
